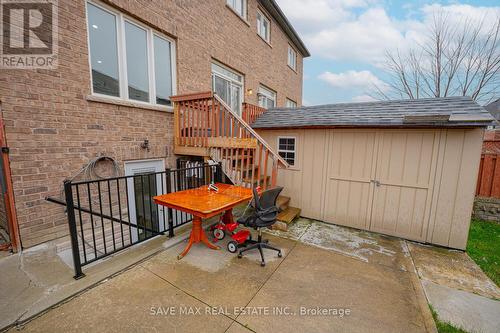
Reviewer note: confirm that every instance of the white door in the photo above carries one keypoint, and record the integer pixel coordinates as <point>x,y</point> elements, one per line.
<point>144,213</point>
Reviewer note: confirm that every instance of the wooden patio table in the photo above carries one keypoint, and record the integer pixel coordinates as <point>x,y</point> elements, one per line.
<point>203,203</point>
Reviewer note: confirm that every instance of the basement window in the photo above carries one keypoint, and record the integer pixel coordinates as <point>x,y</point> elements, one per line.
<point>286,149</point>
<point>128,60</point>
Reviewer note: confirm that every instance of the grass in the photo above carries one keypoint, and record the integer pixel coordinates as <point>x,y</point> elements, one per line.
<point>443,327</point>
<point>484,247</point>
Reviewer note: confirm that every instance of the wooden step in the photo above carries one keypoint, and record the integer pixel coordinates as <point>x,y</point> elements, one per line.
<point>282,202</point>
<point>245,168</point>
<point>285,218</point>
<point>289,214</point>
<point>249,180</point>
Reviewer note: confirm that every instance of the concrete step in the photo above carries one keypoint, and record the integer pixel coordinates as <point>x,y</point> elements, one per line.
<point>285,218</point>
<point>99,241</point>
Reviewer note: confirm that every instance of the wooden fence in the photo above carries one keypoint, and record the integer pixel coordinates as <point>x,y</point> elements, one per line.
<point>488,182</point>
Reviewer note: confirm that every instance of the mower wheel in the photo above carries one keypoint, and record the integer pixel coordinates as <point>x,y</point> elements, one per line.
<point>232,246</point>
<point>219,234</point>
<point>279,254</point>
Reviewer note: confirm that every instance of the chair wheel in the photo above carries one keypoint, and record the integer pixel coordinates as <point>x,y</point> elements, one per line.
<point>263,263</point>
<point>219,234</point>
<point>280,255</point>
<point>240,255</point>
<point>232,246</point>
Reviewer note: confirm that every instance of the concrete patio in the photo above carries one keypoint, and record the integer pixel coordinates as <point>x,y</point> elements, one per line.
<point>329,279</point>
<point>378,294</point>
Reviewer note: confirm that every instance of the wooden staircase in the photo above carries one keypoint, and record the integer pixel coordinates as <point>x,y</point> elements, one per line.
<point>206,126</point>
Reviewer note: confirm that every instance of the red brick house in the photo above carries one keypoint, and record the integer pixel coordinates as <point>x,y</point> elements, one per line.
<point>118,64</point>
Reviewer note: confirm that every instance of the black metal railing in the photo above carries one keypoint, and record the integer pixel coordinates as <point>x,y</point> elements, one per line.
<point>111,214</point>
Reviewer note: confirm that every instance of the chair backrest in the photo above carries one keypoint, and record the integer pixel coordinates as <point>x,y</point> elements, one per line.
<point>267,199</point>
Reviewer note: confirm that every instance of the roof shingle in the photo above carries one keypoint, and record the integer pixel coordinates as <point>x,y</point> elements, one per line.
<point>429,112</point>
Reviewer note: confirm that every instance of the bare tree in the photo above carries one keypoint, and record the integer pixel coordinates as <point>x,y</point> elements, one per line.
<point>454,59</point>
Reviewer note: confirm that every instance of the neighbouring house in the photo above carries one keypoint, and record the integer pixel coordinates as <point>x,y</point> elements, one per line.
<point>491,143</point>
<point>119,63</point>
<point>494,109</point>
<point>403,168</point>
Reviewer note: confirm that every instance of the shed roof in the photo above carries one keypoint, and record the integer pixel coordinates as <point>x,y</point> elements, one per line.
<point>429,112</point>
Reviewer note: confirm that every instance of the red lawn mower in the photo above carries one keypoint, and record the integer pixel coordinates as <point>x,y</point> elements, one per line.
<point>227,224</point>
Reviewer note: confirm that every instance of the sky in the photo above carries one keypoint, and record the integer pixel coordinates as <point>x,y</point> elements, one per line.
<point>348,39</point>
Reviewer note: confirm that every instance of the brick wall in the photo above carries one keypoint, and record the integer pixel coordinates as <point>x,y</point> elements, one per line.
<point>53,128</point>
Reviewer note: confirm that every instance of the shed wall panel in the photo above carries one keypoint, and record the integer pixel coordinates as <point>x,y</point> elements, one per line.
<point>427,179</point>
<point>460,162</point>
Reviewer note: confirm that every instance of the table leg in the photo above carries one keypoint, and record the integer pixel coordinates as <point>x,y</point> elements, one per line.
<point>228,218</point>
<point>197,236</point>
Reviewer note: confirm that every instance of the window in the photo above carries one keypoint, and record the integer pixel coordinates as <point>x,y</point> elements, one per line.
<point>286,149</point>
<point>239,6</point>
<point>267,97</point>
<point>290,103</point>
<point>128,60</point>
<point>292,58</point>
<point>263,27</point>
<point>228,85</point>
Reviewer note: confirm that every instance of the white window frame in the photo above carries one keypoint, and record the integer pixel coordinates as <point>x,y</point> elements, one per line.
<point>231,80</point>
<point>231,4</point>
<point>268,93</point>
<point>260,24</point>
<point>290,103</point>
<point>294,151</point>
<point>292,61</point>
<point>120,20</point>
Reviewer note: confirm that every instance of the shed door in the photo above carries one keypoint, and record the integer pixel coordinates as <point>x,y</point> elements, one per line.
<point>349,190</point>
<point>380,180</point>
<point>403,178</point>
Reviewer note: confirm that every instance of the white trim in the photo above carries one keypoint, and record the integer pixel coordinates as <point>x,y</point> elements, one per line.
<point>294,151</point>
<point>267,93</point>
<point>231,81</point>
<point>267,38</point>
<point>290,103</point>
<point>294,53</point>
<point>137,167</point>
<point>120,20</point>
<point>244,8</point>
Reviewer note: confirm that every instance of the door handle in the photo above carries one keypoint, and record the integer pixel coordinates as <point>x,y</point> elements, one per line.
<point>376,182</point>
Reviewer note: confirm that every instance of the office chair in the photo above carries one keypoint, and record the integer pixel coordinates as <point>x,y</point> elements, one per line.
<point>265,215</point>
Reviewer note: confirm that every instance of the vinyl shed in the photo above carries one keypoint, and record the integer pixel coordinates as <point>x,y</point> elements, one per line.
<point>403,168</point>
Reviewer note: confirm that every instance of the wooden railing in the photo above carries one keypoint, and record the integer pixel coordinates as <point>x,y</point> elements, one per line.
<point>488,183</point>
<point>251,112</point>
<point>204,120</point>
